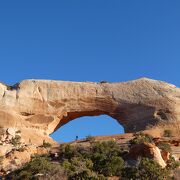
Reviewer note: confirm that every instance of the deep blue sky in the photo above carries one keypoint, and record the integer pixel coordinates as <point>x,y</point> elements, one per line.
<point>89,40</point>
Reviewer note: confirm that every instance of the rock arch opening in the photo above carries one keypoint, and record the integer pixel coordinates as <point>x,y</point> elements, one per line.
<point>87,125</point>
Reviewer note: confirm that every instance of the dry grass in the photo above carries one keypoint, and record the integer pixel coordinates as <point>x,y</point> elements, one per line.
<point>158,131</point>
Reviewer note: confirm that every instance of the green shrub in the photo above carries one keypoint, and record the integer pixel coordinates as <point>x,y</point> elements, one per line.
<point>106,158</point>
<point>167,133</point>
<point>18,131</point>
<point>102,158</point>
<point>38,165</point>
<point>35,166</point>
<point>164,146</point>
<point>97,162</point>
<point>172,164</point>
<point>77,165</point>
<point>106,147</point>
<point>90,138</point>
<point>148,169</point>
<point>24,175</point>
<point>16,141</point>
<point>151,170</point>
<point>103,82</point>
<point>141,138</point>
<point>79,168</point>
<point>46,144</point>
<point>87,175</point>
<point>56,172</point>
<point>67,151</point>
<point>13,87</point>
<point>113,166</point>
<point>130,173</point>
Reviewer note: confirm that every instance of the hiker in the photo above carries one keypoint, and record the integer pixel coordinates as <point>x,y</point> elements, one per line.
<point>76,138</point>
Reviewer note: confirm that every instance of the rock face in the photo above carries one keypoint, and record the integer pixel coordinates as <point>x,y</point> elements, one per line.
<point>40,107</point>
<point>147,150</point>
<point>16,159</point>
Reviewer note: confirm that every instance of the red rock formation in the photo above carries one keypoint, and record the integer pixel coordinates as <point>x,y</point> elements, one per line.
<point>147,150</point>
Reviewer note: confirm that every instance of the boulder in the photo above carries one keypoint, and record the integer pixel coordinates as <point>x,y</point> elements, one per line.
<point>146,150</point>
<point>4,149</point>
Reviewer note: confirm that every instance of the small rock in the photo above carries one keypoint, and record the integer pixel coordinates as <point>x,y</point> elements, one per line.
<point>147,150</point>
<point>11,131</point>
<point>4,149</point>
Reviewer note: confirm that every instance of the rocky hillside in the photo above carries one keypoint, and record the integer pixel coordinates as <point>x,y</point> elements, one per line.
<point>128,156</point>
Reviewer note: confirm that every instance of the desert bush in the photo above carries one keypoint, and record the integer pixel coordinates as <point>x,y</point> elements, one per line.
<point>173,126</point>
<point>167,133</point>
<point>172,164</point>
<point>90,138</point>
<point>46,144</point>
<point>87,175</point>
<point>141,138</point>
<point>38,165</point>
<point>23,174</point>
<point>79,168</point>
<point>147,169</point>
<point>35,166</point>
<point>150,169</point>
<point>16,141</point>
<point>56,172</point>
<point>106,158</point>
<point>67,152</point>
<point>97,162</point>
<point>102,158</point>
<point>18,131</point>
<point>130,173</point>
<point>106,147</point>
<point>75,166</point>
<point>103,82</point>
<point>164,146</point>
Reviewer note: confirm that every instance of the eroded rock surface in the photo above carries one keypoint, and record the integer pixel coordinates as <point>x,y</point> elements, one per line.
<point>147,150</point>
<point>17,159</point>
<point>39,107</point>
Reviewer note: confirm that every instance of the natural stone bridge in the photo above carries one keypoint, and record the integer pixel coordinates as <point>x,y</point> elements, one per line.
<point>39,107</point>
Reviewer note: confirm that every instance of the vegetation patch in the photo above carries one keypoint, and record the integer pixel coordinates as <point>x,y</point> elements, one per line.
<point>99,161</point>
<point>167,133</point>
<point>46,144</point>
<point>141,138</point>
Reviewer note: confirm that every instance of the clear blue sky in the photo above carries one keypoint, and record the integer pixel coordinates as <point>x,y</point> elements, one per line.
<point>89,40</point>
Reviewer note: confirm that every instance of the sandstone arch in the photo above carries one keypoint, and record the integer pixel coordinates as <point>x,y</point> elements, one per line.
<point>39,107</point>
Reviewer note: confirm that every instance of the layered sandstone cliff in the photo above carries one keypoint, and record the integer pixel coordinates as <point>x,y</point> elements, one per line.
<point>39,107</point>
